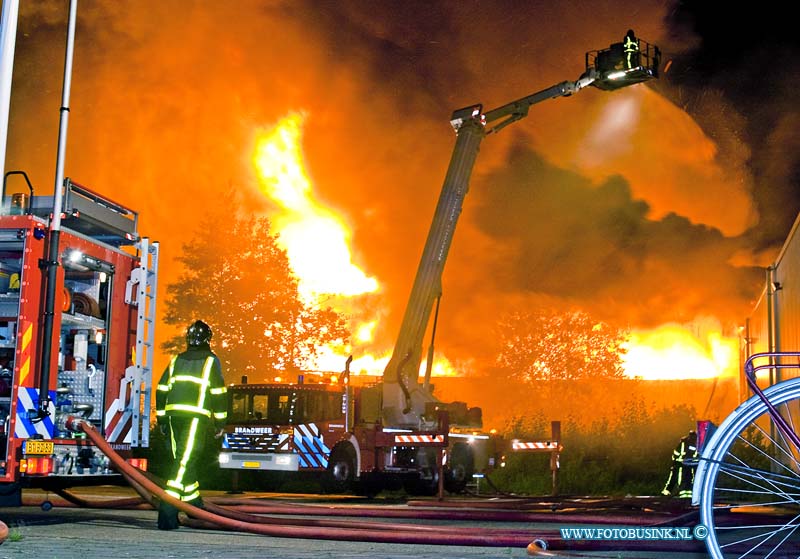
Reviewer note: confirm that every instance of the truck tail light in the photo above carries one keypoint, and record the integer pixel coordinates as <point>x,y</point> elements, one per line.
<point>140,463</point>
<point>37,465</point>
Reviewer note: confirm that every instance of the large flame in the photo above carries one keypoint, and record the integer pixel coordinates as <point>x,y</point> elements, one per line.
<point>315,239</point>
<point>317,242</point>
<point>674,351</point>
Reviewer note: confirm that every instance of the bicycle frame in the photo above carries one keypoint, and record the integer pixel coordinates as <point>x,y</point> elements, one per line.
<point>750,371</point>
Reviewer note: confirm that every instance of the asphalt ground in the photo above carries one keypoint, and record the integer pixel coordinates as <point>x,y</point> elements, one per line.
<point>68,532</point>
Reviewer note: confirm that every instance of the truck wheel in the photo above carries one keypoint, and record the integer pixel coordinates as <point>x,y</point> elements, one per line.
<point>460,467</point>
<point>426,482</point>
<point>341,471</point>
<point>425,485</point>
<point>369,485</point>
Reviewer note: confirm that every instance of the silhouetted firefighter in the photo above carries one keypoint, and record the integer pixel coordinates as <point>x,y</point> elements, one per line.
<point>684,462</point>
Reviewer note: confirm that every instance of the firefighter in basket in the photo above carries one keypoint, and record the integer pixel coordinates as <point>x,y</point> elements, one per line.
<point>631,49</point>
<point>190,395</point>
<point>684,462</point>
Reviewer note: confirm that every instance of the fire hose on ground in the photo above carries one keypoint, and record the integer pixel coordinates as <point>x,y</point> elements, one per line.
<point>368,534</point>
<point>257,506</point>
<point>426,511</point>
<point>135,502</point>
<point>248,510</point>
<point>218,517</point>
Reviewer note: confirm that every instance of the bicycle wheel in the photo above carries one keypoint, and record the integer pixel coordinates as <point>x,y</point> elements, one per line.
<point>748,481</point>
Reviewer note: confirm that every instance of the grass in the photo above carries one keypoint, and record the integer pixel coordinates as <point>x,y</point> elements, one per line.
<point>15,535</point>
<point>626,453</point>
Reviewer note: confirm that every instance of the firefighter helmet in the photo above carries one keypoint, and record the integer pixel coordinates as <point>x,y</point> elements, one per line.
<point>198,334</point>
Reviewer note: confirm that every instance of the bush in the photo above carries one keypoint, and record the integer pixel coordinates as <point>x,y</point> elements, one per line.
<point>629,453</point>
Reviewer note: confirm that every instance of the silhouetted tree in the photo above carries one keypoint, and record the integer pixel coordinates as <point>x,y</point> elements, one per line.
<point>237,279</point>
<point>551,345</point>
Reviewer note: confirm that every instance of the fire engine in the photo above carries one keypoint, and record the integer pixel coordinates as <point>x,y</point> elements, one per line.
<point>323,423</point>
<point>99,333</point>
<point>397,429</point>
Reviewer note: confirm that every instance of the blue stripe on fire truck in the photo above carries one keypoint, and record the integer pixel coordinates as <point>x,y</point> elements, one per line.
<point>311,449</point>
<point>28,399</point>
<point>259,442</point>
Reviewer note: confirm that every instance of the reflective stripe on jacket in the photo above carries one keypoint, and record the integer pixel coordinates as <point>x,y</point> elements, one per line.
<point>192,385</point>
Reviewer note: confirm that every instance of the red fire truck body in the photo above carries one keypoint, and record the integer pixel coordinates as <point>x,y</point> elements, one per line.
<point>337,431</point>
<point>102,335</point>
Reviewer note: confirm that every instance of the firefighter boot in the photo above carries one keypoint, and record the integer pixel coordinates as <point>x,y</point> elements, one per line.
<point>167,517</point>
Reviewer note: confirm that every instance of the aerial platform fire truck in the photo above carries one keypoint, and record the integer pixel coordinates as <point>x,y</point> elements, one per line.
<point>397,429</point>
<point>90,356</point>
<point>323,423</point>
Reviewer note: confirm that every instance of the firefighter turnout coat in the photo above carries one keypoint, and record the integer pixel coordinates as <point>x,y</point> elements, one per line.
<point>190,395</point>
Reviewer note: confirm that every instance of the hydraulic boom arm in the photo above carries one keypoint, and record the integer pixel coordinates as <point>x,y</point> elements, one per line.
<point>404,399</point>
<point>403,406</point>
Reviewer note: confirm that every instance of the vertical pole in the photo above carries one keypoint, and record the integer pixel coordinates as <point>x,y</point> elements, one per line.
<point>8,39</point>
<point>555,436</point>
<point>64,117</point>
<point>51,264</point>
<point>773,323</point>
<point>773,327</point>
<point>444,428</point>
<point>440,493</point>
<point>746,350</point>
<point>770,322</point>
<point>234,483</point>
<point>348,396</point>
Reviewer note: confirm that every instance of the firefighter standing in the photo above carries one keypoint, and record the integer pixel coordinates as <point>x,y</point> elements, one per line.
<point>190,394</point>
<point>684,461</point>
<point>631,49</point>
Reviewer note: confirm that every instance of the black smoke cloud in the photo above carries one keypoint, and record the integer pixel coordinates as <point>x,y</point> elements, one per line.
<point>595,244</point>
<point>737,72</point>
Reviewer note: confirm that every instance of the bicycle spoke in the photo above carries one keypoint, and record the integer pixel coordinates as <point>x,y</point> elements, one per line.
<point>746,469</point>
<point>786,537</point>
<point>765,537</point>
<point>770,458</point>
<point>758,475</point>
<point>783,449</point>
<point>753,526</point>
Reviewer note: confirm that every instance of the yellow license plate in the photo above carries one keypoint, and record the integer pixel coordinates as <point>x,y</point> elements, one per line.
<point>251,464</point>
<point>43,448</point>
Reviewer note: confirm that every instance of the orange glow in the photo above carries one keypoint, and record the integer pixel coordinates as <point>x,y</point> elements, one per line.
<point>315,239</point>
<point>317,242</point>
<point>673,351</point>
<point>332,359</point>
<point>441,368</point>
<point>366,331</point>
